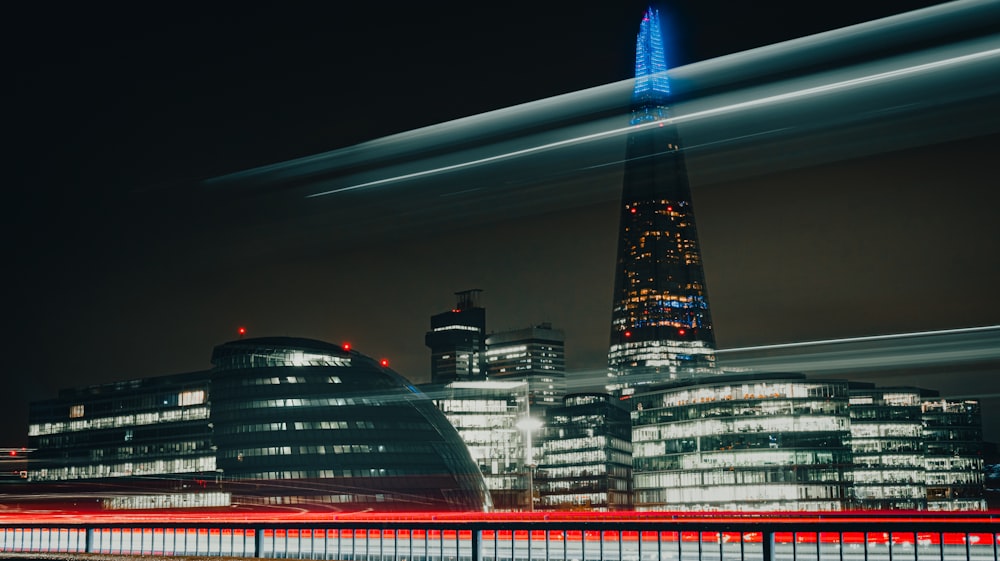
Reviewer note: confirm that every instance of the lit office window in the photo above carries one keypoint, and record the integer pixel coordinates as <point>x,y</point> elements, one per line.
<point>191,397</point>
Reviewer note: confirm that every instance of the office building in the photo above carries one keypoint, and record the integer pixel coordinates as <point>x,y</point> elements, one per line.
<point>489,417</point>
<point>144,443</point>
<point>536,355</point>
<point>586,455</point>
<point>953,454</point>
<point>457,341</point>
<point>888,447</point>
<point>911,448</point>
<point>744,442</point>
<point>661,328</point>
<point>785,442</point>
<point>278,422</point>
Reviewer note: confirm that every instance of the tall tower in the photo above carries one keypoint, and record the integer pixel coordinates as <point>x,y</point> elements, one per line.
<point>457,340</point>
<point>661,328</point>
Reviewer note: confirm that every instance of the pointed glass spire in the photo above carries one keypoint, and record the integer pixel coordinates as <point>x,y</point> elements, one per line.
<point>661,325</point>
<point>652,87</point>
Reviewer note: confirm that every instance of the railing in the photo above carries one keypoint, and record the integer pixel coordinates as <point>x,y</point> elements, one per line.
<point>534,538</point>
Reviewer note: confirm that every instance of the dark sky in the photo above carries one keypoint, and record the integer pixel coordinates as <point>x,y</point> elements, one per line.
<point>120,266</point>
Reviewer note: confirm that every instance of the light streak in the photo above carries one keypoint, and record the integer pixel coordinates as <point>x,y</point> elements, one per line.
<point>933,25</point>
<point>712,112</point>
<point>480,161</point>
<point>953,347</point>
<point>871,338</point>
<point>841,85</point>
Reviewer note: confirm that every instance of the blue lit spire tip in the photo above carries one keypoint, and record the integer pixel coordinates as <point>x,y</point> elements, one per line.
<point>651,84</point>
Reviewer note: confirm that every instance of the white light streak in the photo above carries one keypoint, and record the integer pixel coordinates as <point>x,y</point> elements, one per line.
<point>959,331</point>
<point>480,161</point>
<point>681,119</point>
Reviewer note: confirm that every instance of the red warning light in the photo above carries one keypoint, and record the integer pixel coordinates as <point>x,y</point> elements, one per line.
<point>681,331</point>
<point>670,209</point>
<point>384,362</point>
<point>346,346</point>
<point>13,452</point>
<point>242,331</point>
<point>628,333</point>
<point>633,210</point>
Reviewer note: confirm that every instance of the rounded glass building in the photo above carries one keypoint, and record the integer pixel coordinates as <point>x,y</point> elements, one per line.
<point>303,422</point>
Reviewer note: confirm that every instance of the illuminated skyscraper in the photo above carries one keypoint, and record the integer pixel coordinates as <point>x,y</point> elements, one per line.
<point>661,328</point>
<point>457,340</point>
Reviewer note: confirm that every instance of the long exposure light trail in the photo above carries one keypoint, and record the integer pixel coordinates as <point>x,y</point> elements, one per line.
<point>950,348</point>
<point>447,517</point>
<point>872,338</point>
<point>907,81</point>
<point>927,29</point>
<point>713,112</point>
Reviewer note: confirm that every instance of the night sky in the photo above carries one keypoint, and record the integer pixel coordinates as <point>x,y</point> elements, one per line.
<point>122,264</point>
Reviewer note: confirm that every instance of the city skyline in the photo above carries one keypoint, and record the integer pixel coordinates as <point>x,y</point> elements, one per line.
<point>127,268</point>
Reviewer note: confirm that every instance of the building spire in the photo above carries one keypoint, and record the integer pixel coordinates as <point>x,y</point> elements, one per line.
<point>661,328</point>
<point>652,87</point>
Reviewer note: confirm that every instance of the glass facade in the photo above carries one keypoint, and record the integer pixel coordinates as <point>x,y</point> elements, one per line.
<point>339,428</point>
<point>487,416</point>
<point>457,340</point>
<point>953,460</point>
<point>742,442</point>
<point>536,355</point>
<point>277,421</point>
<point>135,429</point>
<point>586,455</point>
<point>888,446</point>
<point>661,328</point>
